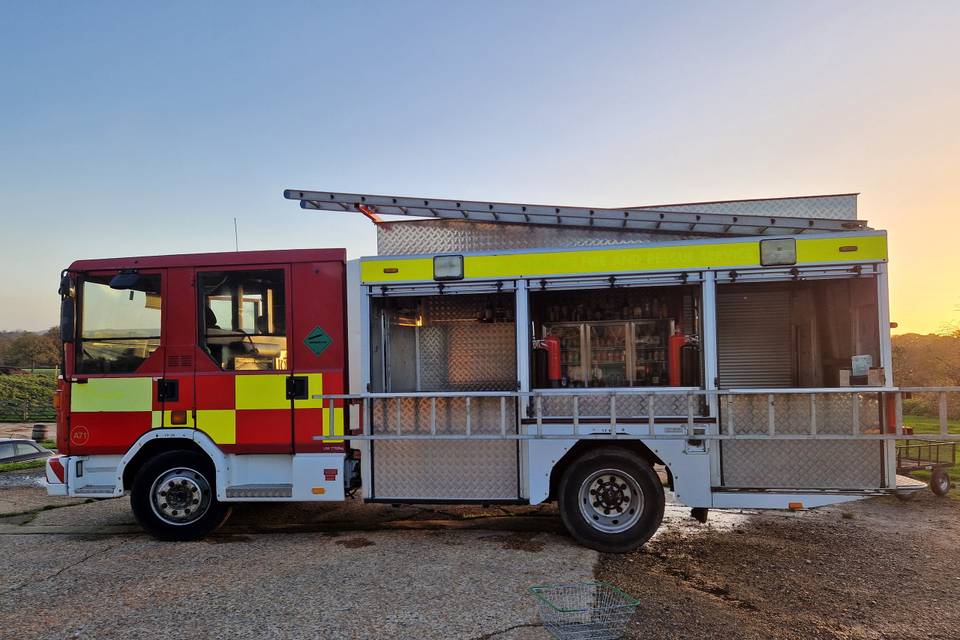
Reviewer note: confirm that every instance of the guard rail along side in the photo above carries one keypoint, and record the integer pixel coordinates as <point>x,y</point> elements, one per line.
<point>845,413</point>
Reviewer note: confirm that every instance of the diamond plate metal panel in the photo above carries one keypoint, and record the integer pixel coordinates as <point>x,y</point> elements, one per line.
<point>799,464</point>
<point>454,236</point>
<point>441,470</point>
<point>415,415</point>
<point>444,470</point>
<point>802,464</point>
<point>834,207</point>
<point>627,406</point>
<point>457,353</point>
<point>433,358</point>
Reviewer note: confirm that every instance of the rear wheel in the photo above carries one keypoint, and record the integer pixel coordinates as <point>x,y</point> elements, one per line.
<point>611,500</point>
<point>174,497</point>
<point>940,482</point>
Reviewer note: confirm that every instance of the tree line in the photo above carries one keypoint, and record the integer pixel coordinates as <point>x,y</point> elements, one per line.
<point>931,360</point>
<point>30,350</point>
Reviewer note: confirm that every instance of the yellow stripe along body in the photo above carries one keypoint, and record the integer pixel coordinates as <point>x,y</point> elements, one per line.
<point>262,391</point>
<point>869,247</point>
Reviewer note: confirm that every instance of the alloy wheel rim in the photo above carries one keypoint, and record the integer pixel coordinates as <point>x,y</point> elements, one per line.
<point>611,500</point>
<point>180,496</point>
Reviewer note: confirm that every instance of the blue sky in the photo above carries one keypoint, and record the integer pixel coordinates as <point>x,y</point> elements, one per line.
<point>135,128</point>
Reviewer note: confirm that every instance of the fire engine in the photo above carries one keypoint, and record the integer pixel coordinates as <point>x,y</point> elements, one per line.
<point>736,352</point>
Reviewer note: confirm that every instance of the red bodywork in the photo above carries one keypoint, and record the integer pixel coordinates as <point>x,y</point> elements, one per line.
<point>315,281</point>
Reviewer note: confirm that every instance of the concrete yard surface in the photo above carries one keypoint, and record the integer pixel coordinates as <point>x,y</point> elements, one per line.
<point>329,571</point>
<point>874,569</point>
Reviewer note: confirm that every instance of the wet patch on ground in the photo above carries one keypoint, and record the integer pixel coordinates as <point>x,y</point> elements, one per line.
<point>355,543</point>
<point>873,569</point>
<point>226,538</point>
<point>520,541</point>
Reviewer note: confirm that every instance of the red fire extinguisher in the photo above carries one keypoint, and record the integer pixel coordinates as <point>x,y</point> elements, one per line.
<point>674,346</point>
<point>551,344</point>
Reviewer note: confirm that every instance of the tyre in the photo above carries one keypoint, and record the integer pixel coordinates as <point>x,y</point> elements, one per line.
<point>174,497</point>
<point>940,482</point>
<point>611,500</point>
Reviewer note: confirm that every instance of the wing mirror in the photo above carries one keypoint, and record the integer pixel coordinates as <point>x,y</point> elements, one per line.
<point>67,316</point>
<point>125,280</point>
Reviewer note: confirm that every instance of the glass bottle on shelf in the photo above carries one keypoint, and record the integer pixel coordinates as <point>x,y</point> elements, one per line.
<point>608,365</point>
<point>570,365</point>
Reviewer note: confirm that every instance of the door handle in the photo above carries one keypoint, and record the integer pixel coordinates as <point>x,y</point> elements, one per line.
<point>297,388</point>
<point>168,390</point>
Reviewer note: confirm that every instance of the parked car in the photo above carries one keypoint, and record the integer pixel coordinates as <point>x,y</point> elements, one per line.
<point>20,450</point>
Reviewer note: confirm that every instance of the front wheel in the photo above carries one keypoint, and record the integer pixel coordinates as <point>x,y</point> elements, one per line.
<point>611,500</point>
<point>174,497</point>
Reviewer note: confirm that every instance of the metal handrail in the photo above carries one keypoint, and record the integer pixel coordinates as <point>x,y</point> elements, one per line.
<point>614,426</point>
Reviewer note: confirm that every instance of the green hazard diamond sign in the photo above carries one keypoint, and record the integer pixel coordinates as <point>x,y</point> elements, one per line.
<point>317,341</point>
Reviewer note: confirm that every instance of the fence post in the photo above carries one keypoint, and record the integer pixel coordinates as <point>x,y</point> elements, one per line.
<point>943,413</point>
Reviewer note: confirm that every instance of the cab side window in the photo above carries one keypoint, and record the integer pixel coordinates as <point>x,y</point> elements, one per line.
<point>119,328</point>
<point>242,319</point>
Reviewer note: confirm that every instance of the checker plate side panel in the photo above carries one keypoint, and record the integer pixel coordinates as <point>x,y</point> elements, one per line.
<point>456,354</point>
<point>800,464</point>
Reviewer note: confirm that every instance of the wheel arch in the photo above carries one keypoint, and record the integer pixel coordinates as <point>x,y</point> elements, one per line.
<point>583,447</point>
<point>160,441</point>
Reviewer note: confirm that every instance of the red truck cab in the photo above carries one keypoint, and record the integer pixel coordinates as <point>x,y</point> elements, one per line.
<point>182,352</point>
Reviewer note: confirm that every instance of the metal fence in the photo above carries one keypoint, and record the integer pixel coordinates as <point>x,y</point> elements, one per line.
<point>26,411</point>
<point>27,396</point>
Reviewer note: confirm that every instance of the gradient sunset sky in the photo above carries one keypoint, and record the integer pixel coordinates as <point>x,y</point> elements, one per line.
<point>135,128</point>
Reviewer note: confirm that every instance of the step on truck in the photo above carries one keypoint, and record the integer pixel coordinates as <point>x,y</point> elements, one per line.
<point>736,352</point>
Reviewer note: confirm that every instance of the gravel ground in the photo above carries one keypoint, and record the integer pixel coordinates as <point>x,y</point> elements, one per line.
<point>879,568</point>
<point>281,571</point>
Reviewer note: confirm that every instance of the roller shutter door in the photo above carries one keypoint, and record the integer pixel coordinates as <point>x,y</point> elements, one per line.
<point>754,340</point>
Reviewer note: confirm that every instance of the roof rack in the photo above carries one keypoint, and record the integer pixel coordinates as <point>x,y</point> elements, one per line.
<point>631,218</point>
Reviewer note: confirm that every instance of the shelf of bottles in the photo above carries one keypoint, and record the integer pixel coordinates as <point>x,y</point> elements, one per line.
<point>617,337</point>
<point>650,352</point>
<point>571,352</point>
<point>608,354</point>
<point>613,353</point>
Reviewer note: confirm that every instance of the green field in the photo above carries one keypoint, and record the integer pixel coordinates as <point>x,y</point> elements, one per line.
<point>27,397</point>
<point>44,371</point>
<point>19,466</point>
<point>927,424</point>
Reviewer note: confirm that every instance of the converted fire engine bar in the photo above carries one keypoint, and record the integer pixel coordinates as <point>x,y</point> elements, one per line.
<point>637,219</point>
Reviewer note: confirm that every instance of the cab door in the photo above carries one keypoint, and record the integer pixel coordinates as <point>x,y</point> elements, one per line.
<point>318,349</point>
<point>119,360</point>
<point>243,364</point>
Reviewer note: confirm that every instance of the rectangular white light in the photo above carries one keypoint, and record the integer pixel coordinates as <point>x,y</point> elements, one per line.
<point>778,251</point>
<point>448,267</point>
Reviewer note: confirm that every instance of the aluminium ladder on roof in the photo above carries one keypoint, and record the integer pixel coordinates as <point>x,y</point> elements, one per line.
<point>635,219</point>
